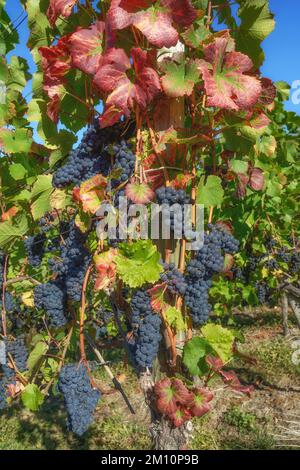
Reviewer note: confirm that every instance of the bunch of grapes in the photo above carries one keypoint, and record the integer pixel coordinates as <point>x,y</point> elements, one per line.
<point>174,278</point>
<point>45,223</point>
<point>80,398</point>
<point>201,269</point>
<point>284,256</point>
<point>104,317</point>
<point>17,349</point>
<point>89,158</point>
<point>263,292</point>
<point>35,247</point>
<point>51,297</point>
<point>170,196</point>
<point>124,163</point>
<point>146,324</point>
<point>295,262</point>
<point>75,259</point>
<point>3,393</point>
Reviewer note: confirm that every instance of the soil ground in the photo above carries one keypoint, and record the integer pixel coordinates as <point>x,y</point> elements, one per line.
<point>270,419</point>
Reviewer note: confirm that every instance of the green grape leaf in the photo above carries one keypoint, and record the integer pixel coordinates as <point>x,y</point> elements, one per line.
<point>175,319</point>
<point>17,171</point>
<point>257,22</point>
<point>239,166</point>
<point>36,354</point>
<point>194,353</point>
<point>179,79</point>
<point>220,339</point>
<point>210,193</point>
<point>138,263</point>
<point>18,141</point>
<point>40,196</point>
<point>32,398</point>
<point>194,36</point>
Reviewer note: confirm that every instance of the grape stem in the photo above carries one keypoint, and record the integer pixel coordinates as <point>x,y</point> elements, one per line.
<point>156,151</point>
<point>3,296</point>
<point>81,325</point>
<point>109,372</point>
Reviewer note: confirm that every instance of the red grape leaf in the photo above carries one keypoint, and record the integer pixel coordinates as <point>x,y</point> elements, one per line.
<point>157,27</point>
<point>226,83</point>
<point>86,48</point>
<point>158,302</point>
<point>268,93</point>
<point>106,269</point>
<point>155,23</point>
<point>133,6</point>
<point>55,65</point>
<point>9,214</point>
<point>112,78</point>
<point>257,180</point>
<point>182,11</point>
<point>182,394</point>
<point>200,405</point>
<point>180,416</point>
<point>165,397</point>
<point>59,7</point>
<point>139,193</point>
<point>92,193</point>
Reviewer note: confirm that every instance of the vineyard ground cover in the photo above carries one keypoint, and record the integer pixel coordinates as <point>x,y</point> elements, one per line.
<point>234,423</point>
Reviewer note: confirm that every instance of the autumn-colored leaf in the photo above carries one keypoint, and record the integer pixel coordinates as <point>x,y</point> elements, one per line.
<point>106,268</point>
<point>179,78</point>
<point>59,7</point>
<point>257,180</point>
<point>55,65</point>
<point>201,399</point>
<point>226,82</point>
<point>180,416</point>
<point>112,78</point>
<point>157,293</point>
<point>86,47</point>
<point>182,394</point>
<point>165,396</point>
<point>139,193</point>
<point>268,92</point>
<point>154,21</point>
<point>9,214</point>
<point>92,193</point>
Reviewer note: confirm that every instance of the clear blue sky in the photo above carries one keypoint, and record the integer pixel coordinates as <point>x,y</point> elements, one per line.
<point>282,47</point>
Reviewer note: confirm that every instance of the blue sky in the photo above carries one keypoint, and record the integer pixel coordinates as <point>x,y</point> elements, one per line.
<point>281,47</point>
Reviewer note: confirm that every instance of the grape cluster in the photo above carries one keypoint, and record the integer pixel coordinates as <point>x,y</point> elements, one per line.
<point>7,377</point>
<point>17,349</point>
<point>284,256</point>
<point>104,317</point>
<point>74,261</point>
<point>175,280</point>
<point>170,196</point>
<point>124,163</point>
<point>51,297</point>
<point>263,292</point>
<point>146,324</point>
<point>80,398</point>
<point>89,158</point>
<point>45,223</point>
<point>3,393</point>
<point>35,247</point>
<point>295,262</point>
<point>200,270</point>
<point>10,303</point>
